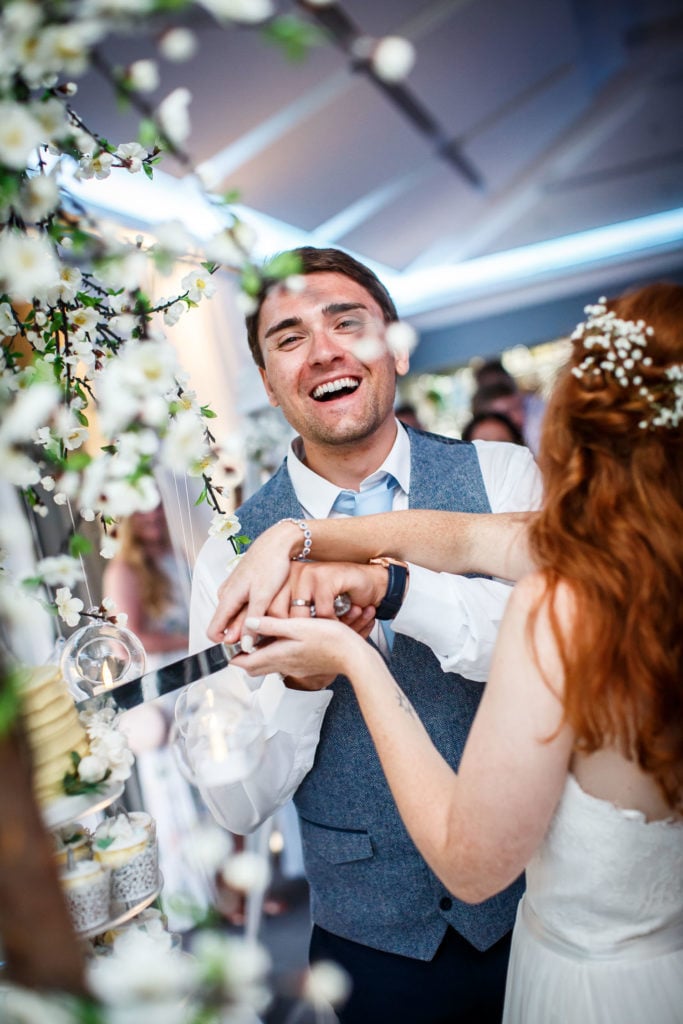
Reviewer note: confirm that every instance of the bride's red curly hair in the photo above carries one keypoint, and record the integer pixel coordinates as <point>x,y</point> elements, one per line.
<point>612,528</point>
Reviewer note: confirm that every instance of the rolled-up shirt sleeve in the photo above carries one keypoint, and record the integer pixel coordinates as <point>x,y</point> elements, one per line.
<point>458,617</point>
<point>289,720</point>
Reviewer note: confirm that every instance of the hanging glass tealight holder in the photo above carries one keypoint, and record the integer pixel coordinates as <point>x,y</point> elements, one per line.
<point>100,656</point>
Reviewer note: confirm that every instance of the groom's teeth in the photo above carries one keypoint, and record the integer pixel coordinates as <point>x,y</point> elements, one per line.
<point>335,385</point>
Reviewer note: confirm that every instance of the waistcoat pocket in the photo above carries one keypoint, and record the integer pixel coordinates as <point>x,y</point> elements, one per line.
<point>336,845</point>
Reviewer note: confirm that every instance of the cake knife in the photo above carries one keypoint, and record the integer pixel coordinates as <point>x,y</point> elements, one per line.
<point>177,674</point>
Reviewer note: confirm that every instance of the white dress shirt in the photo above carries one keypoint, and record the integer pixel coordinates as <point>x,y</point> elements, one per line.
<point>457,617</point>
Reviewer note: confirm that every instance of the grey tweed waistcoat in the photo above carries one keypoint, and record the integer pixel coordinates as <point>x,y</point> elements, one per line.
<point>368,882</point>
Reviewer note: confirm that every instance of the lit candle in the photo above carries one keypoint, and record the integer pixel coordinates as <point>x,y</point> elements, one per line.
<point>107,678</point>
<point>219,748</point>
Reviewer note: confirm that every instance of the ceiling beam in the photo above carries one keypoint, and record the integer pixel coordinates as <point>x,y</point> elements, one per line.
<point>617,101</point>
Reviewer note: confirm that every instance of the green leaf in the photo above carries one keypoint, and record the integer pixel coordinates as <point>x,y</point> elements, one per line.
<point>208,413</point>
<point>147,133</point>
<point>283,265</point>
<point>293,36</point>
<point>250,280</point>
<point>201,498</point>
<point>10,691</point>
<point>149,170</point>
<point>79,545</point>
<point>77,461</point>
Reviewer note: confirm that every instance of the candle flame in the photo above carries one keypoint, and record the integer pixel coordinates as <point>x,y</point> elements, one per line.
<point>219,749</point>
<point>107,678</point>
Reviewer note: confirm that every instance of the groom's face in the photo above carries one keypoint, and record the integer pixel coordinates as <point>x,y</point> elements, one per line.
<point>326,363</point>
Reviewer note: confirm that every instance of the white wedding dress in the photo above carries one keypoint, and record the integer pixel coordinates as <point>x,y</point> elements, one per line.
<point>599,934</point>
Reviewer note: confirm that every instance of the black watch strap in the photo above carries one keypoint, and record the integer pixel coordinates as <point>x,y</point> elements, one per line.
<point>391,603</point>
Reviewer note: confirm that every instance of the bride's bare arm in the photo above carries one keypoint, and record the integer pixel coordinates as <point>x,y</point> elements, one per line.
<point>493,544</point>
<point>457,542</point>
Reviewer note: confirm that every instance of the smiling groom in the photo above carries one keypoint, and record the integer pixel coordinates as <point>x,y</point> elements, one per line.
<point>415,953</point>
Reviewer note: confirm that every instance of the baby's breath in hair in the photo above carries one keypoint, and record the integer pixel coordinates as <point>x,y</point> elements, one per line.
<point>618,347</point>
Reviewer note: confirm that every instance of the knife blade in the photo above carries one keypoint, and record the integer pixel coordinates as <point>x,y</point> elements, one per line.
<point>178,674</point>
<point>164,680</point>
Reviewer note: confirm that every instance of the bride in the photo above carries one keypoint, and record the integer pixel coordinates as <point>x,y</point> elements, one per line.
<point>573,768</point>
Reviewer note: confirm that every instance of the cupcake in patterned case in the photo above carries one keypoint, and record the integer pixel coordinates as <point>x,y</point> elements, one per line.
<point>74,839</point>
<point>126,844</point>
<point>86,886</point>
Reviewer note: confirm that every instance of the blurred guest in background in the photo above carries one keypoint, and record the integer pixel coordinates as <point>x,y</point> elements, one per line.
<point>145,579</point>
<point>492,426</point>
<point>407,413</point>
<point>498,391</point>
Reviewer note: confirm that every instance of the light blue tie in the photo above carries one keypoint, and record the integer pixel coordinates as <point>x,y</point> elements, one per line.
<point>378,498</point>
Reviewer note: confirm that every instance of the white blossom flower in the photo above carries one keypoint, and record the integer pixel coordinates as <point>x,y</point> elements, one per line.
<point>122,498</point>
<point>56,569</point>
<point>47,483</point>
<point>92,768</point>
<point>123,325</point>
<point>124,269</point>
<point>51,116</point>
<point>197,284</point>
<point>31,407</point>
<point>82,352</point>
<point>27,265</point>
<point>222,248</point>
<point>173,115</point>
<point>20,134</point>
<point>65,48</point>
<point>39,197</point>
<point>326,984</point>
<point>239,966</point>
<point>207,846</point>
<point>70,280</point>
<point>98,166</point>
<point>17,468</point>
<point>84,318</point>
<point>246,304</point>
<point>68,607</point>
<point>178,44</point>
<point>173,313</point>
<point>88,515</point>
<point>137,972</point>
<point>143,75</point>
<point>131,154</point>
<point>250,12</point>
<point>369,348</point>
<point>111,747</point>
<point>184,448</point>
<point>172,236</point>
<point>8,325</point>
<point>224,525</point>
<point>401,338</point>
<point>393,58</point>
<point>69,430</point>
<point>247,872</point>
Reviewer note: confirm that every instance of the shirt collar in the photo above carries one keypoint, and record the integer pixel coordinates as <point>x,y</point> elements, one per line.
<point>317,495</point>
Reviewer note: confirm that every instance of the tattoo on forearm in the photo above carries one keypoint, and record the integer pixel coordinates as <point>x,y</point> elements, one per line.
<point>404,703</point>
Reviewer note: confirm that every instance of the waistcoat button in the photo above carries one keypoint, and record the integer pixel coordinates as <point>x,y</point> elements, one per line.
<point>445,903</point>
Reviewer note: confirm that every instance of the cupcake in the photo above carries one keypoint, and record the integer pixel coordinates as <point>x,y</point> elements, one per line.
<point>127,846</point>
<point>87,890</point>
<point>74,839</point>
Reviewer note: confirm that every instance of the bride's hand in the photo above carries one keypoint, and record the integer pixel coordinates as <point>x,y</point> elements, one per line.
<point>304,648</point>
<point>258,576</point>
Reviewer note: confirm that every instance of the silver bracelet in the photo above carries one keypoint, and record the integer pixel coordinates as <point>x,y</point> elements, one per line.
<point>305,552</point>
